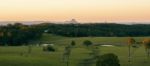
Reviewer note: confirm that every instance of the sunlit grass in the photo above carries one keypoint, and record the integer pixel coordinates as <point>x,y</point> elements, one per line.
<point>18,55</point>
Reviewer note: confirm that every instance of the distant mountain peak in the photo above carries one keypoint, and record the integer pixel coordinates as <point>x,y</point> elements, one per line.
<point>72,21</point>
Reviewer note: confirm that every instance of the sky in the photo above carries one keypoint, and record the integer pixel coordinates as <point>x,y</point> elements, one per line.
<point>82,10</point>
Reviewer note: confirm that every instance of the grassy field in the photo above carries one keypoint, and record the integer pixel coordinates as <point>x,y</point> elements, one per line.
<point>18,56</point>
<point>59,40</point>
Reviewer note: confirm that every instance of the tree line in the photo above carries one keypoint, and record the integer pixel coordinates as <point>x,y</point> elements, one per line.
<point>99,29</point>
<point>19,34</point>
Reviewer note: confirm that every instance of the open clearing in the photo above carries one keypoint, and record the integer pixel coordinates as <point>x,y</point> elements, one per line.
<point>17,55</point>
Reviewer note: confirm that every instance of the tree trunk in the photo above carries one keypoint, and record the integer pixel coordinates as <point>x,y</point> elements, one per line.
<point>68,60</point>
<point>129,54</point>
<point>147,53</point>
<point>29,49</point>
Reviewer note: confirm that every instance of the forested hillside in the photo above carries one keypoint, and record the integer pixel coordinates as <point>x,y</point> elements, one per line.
<point>99,29</point>
<point>18,34</point>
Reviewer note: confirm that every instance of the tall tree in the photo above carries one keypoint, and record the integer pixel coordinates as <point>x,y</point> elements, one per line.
<point>146,43</point>
<point>131,41</point>
<point>66,55</point>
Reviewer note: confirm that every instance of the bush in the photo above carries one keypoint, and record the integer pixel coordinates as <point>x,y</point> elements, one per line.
<point>108,60</point>
<point>73,43</point>
<point>49,48</point>
<point>87,43</point>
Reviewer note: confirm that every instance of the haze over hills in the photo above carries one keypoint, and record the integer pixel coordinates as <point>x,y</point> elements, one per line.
<point>72,21</point>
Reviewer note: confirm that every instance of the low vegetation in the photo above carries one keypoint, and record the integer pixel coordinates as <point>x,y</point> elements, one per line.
<point>32,45</point>
<point>108,60</point>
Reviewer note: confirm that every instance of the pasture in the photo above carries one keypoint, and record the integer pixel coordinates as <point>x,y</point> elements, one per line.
<point>18,56</point>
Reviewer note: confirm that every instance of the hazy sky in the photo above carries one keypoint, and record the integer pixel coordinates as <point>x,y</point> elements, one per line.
<point>82,10</point>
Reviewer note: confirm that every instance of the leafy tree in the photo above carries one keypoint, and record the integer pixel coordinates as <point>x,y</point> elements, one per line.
<point>87,43</point>
<point>29,49</point>
<point>108,60</point>
<point>66,54</point>
<point>146,43</point>
<point>73,43</point>
<point>131,41</point>
<point>95,52</point>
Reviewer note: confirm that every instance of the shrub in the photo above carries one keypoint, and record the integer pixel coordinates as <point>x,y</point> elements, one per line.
<point>87,43</point>
<point>73,43</point>
<point>49,48</point>
<point>108,60</point>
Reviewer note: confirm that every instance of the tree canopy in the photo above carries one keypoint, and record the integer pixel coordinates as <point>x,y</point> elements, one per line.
<point>108,60</point>
<point>18,34</point>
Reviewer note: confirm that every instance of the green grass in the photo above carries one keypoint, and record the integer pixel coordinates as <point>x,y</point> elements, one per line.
<point>11,56</point>
<point>18,56</point>
<point>59,40</point>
